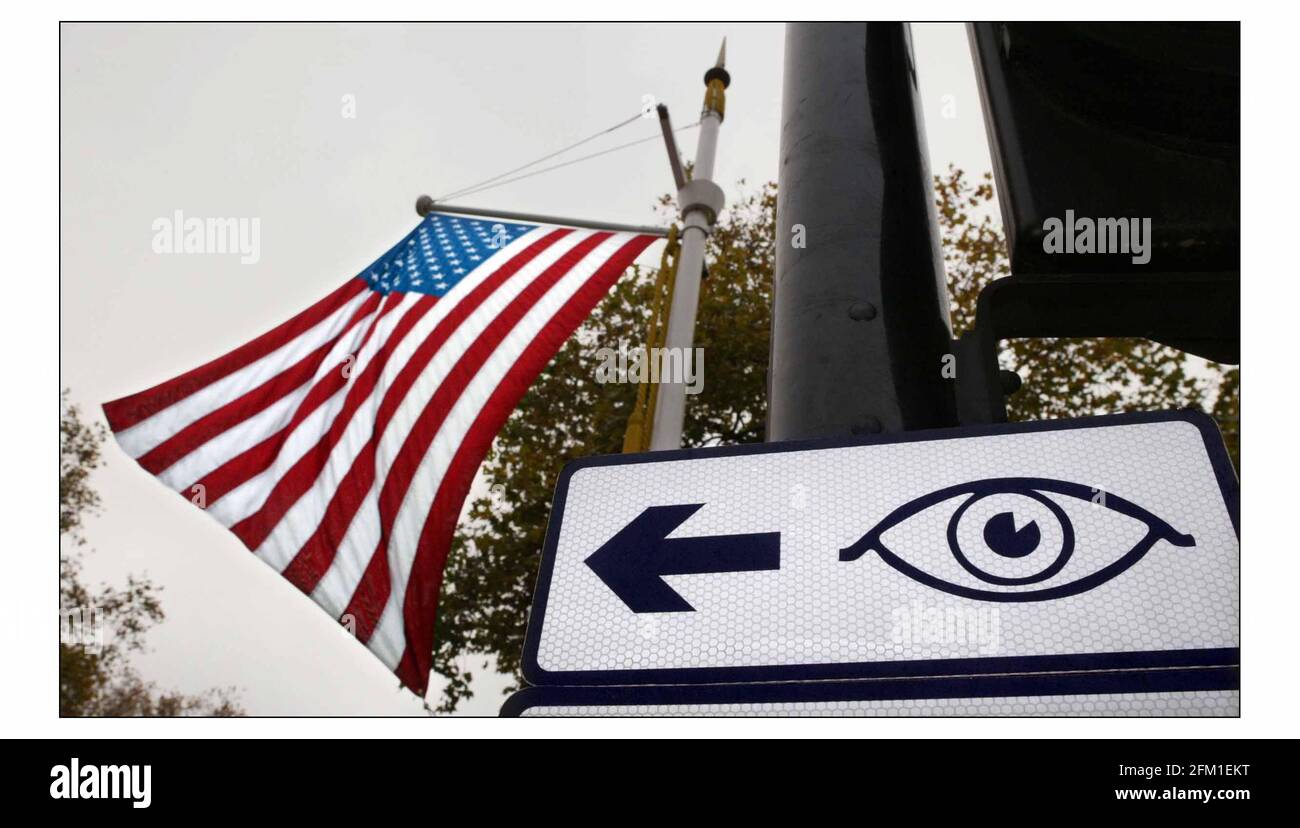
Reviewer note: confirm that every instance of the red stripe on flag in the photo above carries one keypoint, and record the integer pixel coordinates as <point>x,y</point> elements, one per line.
<point>162,456</point>
<point>369,597</point>
<point>128,411</point>
<point>407,461</point>
<point>425,582</point>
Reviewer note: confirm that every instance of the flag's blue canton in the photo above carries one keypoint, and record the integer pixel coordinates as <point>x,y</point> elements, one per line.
<point>439,252</point>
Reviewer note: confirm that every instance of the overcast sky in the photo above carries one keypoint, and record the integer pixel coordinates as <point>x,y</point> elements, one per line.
<point>248,121</point>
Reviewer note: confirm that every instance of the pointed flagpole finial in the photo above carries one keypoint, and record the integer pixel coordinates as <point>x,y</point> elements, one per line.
<point>719,72</point>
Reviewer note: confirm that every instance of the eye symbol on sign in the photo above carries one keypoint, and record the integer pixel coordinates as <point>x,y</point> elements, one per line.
<point>1009,539</point>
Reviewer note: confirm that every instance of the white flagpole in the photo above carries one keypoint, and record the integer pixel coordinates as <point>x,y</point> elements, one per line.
<point>700,202</point>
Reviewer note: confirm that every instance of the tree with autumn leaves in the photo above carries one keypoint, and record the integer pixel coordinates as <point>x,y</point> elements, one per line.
<point>102,627</point>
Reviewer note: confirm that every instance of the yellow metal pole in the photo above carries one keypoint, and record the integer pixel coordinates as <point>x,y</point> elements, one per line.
<point>641,422</point>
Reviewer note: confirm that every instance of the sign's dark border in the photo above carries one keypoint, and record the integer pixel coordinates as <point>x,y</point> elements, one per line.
<point>1214,447</point>
<point>963,687</point>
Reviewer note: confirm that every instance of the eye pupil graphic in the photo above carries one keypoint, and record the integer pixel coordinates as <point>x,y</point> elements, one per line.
<point>1001,535</point>
<point>1007,542</point>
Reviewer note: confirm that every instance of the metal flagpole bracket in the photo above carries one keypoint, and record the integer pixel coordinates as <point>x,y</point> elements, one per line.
<point>670,143</point>
<point>704,196</point>
<point>425,205</point>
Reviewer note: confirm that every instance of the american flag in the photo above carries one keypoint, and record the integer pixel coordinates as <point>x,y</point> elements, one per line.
<point>339,447</point>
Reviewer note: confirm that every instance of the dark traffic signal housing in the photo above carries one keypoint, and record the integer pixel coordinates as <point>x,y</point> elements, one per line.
<point>1116,153</point>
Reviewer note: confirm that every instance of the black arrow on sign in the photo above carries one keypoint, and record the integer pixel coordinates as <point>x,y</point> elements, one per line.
<point>632,562</point>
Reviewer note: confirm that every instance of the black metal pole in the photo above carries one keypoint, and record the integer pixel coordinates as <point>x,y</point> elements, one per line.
<point>860,326</point>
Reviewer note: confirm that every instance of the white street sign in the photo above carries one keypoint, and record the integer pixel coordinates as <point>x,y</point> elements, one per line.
<point>1104,543</point>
